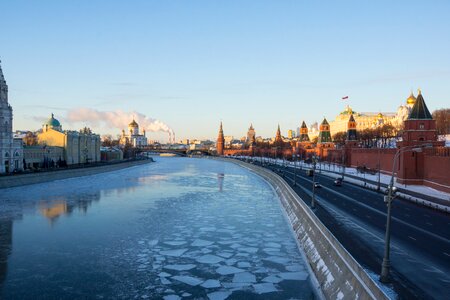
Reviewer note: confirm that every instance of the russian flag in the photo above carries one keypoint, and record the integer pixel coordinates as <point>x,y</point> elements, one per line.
<point>345,98</point>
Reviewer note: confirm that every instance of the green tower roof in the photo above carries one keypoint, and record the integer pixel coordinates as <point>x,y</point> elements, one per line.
<point>420,110</point>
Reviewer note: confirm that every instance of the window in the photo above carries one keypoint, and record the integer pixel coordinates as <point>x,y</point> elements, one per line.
<point>421,126</point>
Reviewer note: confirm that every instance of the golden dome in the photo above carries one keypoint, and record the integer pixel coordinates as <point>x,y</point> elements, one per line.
<point>133,124</point>
<point>380,116</point>
<point>411,99</point>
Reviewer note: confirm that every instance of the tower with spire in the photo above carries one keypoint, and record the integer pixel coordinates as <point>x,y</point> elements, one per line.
<point>351,129</point>
<point>324,134</point>
<point>419,128</point>
<point>11,151</point>
<point>304,137</point>
<point>251,136</point>
<point>220,141</point>
<point>278,138</point>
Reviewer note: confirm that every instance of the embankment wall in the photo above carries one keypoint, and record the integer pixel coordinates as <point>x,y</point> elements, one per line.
<point>338,273</point>
<point>26,179</point>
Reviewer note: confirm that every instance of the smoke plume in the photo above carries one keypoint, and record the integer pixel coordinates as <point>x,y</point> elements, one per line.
<point>119,120</point>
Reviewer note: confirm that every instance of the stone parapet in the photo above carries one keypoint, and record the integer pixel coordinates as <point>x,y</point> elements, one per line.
<point>339,275</point>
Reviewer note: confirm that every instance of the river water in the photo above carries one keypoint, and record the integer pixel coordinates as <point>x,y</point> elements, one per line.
<point>179,228</point>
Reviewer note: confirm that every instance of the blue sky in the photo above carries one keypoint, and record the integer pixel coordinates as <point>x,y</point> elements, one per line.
<point>191,64</point>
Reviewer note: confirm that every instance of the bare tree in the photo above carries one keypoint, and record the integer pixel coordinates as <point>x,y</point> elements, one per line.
<point>339,138</point>
<point>442,117</point>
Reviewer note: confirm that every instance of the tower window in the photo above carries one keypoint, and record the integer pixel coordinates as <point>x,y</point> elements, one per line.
<point>421,126</point>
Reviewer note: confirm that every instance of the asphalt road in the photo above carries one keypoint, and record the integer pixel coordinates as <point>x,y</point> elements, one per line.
<point>420,236</point>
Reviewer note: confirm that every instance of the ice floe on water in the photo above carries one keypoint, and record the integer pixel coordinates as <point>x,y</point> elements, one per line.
<point>175,252</point>
<point>199,242</point>
<point>209,259</point>
<point>227,270</point>
<point>179,267</point>
<point>190,280</point>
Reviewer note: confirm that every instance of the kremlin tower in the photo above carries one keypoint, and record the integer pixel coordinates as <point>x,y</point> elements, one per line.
<point>420,128</point>
<point>278,138</point>
<point>304,137</point>
<point>220,141</point>
<point>324,139</point>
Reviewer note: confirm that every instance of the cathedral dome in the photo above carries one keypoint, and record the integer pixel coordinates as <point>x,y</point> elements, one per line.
<point>52,122</point>
<point>380,115</point>
<point>133,124</point>
<point>411,99</point>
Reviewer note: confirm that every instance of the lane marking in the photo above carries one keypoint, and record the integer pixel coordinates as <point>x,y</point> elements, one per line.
<point>446,254</point>
<point>428,223</point>
<point>436,236</point>
<point>412,238</point>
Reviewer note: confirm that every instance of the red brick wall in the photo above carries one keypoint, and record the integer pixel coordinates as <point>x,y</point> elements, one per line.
<point>436,171</point>
<point>371,157</point>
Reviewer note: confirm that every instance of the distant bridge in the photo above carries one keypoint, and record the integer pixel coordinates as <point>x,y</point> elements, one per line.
<point>178,152</point>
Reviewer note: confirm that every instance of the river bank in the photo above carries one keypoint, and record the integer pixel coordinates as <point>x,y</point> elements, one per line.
<point>33,178</point>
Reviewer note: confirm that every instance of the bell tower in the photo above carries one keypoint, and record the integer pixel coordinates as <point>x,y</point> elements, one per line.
<point>11,152</point>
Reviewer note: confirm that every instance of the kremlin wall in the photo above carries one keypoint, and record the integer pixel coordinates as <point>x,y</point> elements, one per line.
<point>422,159</point>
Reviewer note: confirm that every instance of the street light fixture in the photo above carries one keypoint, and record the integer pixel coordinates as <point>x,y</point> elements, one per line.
<point>385,265</point>
<point>313,199</point>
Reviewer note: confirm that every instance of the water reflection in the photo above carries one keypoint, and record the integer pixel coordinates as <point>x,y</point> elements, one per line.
<point>161,230</point>
<point>220,178</point>
<point>55,208</point>
<point>5,246</point>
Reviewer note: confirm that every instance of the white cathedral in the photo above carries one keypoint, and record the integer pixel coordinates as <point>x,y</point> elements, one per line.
<point>11,150</point>
<point>133,137</point>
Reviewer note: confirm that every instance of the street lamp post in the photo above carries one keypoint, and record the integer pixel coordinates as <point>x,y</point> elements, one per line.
<point>385,265</point>
<point>313,199</point>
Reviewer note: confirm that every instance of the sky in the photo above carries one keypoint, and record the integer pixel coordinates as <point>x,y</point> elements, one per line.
<point>191,64</point>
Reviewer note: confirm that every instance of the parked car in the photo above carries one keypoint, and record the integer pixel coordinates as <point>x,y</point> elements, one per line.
<point>338,182</point>
<point>317,185</point>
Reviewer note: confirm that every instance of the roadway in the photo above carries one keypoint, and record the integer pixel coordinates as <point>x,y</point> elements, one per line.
<point>420,236</point>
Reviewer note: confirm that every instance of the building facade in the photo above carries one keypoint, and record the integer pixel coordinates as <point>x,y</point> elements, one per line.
<point>79,146</point>
<point>133,137</point>
<point>366,120</point>
<point>40,156</point>
<point>11,151</point>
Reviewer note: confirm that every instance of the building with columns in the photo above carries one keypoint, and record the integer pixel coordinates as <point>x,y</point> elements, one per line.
<point>133,137</point>
<point>11,150</point>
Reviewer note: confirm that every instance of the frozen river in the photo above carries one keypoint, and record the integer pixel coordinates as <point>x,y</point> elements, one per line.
<point>178,228</point>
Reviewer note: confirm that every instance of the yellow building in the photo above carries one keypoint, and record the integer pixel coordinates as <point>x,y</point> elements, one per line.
<point>366,120</point>
<point>79,147</point>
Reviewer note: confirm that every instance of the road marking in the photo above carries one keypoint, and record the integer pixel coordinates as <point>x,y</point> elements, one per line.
<point>446,254</point>
<point>412,238</point>
<point>406,215</point>
<point>368,217</point>
<point>428,223</point>
<point>427,216</point>
<point>384,214</point>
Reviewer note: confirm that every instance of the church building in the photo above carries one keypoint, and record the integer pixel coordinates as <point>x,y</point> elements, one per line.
<point>11,150</point>
<point>133,137</point>
<point>79,147</point>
